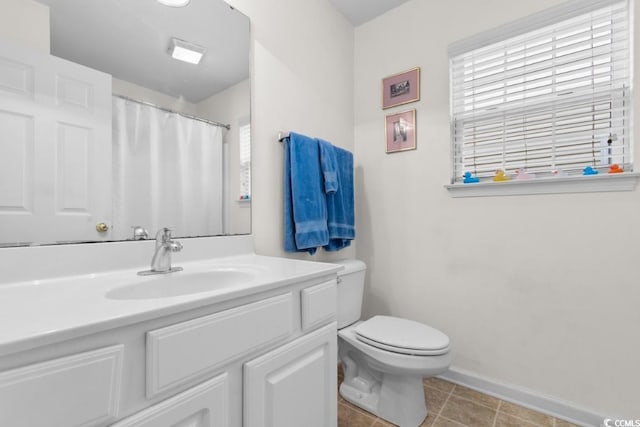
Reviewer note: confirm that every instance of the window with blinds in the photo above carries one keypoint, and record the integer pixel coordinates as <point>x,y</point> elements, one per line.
<point>547,94</point>
<point>244,131</point>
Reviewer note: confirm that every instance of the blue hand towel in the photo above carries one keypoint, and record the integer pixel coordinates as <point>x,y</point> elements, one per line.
<point>305,203</point>
<point>341,204</point>
<point>329,166</point>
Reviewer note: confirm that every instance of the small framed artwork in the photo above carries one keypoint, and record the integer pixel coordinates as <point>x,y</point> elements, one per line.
<point>401,88</point>
<point>400,131</point>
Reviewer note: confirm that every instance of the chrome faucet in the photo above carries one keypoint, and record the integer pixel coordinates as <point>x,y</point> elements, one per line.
<point>161,261</point>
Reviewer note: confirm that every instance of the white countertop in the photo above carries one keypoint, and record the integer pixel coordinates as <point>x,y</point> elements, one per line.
<point>40,312</point>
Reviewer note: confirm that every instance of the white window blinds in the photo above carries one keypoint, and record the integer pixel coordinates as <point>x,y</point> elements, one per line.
<point>244,131</point>
<point>556,97</point>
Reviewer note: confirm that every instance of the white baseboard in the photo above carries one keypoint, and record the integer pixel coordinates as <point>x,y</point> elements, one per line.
<point>527,398</point>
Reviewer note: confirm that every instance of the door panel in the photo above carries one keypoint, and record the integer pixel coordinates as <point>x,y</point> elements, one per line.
<point>55,148</point>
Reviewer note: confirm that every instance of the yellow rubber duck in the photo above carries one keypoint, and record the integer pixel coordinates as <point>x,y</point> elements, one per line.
<point>501,176</point>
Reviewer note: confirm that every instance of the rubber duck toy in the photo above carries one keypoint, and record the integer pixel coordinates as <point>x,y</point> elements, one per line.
<point>469,179</point>
<point>589,171</point>
<point>523,174</point>
<point>501,176</point>
<point>615,169</point>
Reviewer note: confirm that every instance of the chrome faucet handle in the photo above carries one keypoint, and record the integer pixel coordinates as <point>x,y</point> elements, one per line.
<point>175,246</point>
<point>163,235</point>
<point>140,233</point>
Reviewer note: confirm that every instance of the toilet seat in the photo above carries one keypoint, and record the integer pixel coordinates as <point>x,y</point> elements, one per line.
<point>402,336</point>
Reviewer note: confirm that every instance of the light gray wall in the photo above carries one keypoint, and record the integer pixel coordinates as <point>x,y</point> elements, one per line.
<point>302,80</point>
<point>231,106</point>
<point>140,93</point>
<point>539,291</point>
<point>26,23</point>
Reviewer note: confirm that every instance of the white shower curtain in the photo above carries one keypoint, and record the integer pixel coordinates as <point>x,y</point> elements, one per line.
<point>167,172</point>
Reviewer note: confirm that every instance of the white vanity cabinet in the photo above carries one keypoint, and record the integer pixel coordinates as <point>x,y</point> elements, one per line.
<point>265,359</point>
<point>296,384</point>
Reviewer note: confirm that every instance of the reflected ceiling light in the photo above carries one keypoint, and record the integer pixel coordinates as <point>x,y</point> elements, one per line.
<point>185,51</point>
<point>174,3</point>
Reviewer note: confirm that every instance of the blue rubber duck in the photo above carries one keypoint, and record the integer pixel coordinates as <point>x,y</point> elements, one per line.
<point>589,171</point>
<point>469,179</point>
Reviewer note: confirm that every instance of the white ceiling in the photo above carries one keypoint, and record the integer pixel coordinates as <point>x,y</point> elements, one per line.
<point>360,11</point>
<point>129,39</point>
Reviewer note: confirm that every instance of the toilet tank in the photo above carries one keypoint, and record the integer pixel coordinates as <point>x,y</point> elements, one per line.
<point>350,291</point>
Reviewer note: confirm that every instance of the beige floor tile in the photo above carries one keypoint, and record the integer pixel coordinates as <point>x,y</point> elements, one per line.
<point>439,384</point>
<point>444,422</point>
<point>526,414</point>
<point>379,422</point>
<point>563,423</point>
<point>452,405</point>
<point>428,422</point>
<point>476,396</point>
<point>382,423</point>
<point>348,416</point>
<point>504,420</point>
<point>434,399</point>
<point>467,412</point>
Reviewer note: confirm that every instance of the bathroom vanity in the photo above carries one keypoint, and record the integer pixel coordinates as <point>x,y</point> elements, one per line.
<point>240,340</point>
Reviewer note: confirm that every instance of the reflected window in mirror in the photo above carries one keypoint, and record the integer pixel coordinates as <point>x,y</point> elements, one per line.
<point>244,130</point>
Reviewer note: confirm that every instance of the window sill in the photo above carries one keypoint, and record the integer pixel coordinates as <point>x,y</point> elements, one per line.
<point>573,184</point>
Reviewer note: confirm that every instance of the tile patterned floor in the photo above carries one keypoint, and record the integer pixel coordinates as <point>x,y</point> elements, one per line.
<point>452,405</point>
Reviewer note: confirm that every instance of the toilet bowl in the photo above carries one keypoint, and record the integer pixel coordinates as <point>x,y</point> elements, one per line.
<point>385,358</point>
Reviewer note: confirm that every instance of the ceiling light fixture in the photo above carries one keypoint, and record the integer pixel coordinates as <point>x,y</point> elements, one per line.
<point>185,51</point>
<point>174,3</point>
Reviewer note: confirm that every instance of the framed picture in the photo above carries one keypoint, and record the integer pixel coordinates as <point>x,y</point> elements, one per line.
<point>401,88</point>
<point>400,131</point>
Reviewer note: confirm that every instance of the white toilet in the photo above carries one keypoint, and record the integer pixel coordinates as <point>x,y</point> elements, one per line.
<point>385,358</point>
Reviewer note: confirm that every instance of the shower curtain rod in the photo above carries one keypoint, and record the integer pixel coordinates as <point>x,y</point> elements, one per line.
<point>188,116</point>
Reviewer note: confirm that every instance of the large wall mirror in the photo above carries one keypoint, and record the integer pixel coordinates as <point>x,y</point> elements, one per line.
<point>109,128</point>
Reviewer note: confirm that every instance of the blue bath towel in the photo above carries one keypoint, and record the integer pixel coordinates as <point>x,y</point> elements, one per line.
<point>341,204</point>
<point>305,204</point>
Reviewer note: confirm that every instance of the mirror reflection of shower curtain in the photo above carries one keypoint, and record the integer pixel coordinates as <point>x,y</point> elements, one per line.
<point>167,172</point>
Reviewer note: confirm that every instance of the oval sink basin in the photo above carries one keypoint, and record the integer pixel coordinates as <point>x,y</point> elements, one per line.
<point>180,283</point>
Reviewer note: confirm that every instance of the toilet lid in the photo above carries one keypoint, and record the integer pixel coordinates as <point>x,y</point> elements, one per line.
<point>402,336</point>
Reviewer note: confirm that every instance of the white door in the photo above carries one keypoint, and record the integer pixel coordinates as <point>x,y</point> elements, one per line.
<point>55,149</point>
<point>294,385</point>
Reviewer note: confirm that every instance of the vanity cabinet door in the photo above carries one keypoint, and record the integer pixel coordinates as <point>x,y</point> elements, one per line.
<point>294,385</point>
<point>205,405</point>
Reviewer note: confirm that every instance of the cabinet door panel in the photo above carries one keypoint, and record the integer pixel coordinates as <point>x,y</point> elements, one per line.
<point>318,304</point>
<point>81,390</point>
<point>205,405</point>
<point>294,385</point>
<point>183,353</point>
